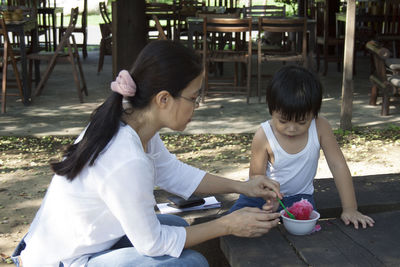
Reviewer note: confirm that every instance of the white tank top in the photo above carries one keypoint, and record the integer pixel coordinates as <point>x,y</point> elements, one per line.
<point>294,172</point>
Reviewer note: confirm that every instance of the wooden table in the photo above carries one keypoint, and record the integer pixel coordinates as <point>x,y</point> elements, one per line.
<point>20,28</point>
<point>335,245</point>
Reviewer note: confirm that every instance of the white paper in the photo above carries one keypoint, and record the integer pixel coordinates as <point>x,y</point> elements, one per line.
<point>210,203</point>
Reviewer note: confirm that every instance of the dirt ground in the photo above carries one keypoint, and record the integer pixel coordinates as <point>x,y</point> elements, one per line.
<point>25,172</point>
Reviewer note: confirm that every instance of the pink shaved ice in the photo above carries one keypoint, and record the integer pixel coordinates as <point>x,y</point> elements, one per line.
<point>301,210</point>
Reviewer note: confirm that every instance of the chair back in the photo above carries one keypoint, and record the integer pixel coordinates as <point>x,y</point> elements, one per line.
<point>293,30</point>
<point>219,26</point>
<point>104,12</point>
<point>226,25</point>
<point>264,11</point>
<point>70,29</point>
<point>225,40</point>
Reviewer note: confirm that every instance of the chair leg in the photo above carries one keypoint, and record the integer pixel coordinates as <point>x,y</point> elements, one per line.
<point>4,85</point>
<point>16,74</point>
<point>71,58</point>
<point>101,57</point>
<point>235,77</point>
<point>325,60</point>
<point>385,102</point>
<point>318,58</point>
<point>259,79</point>
<point>248,80</point>
<point>43,80</point>
<point>76,80</point>
<point>205,86</point>
<point>374,95</point>
<point>84,46</point>
<point>82,76</point>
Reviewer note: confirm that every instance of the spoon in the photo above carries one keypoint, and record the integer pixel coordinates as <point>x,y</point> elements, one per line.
<point>288,213</point>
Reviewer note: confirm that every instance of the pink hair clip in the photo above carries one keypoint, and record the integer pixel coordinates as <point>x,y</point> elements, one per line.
<point>124,84</point>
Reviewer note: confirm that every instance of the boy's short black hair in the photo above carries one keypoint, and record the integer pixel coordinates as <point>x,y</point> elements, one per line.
<point>294,92</point>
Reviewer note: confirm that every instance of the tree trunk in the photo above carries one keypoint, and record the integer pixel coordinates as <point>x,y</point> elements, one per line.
<point>129,32</point>
<point>347,85</point>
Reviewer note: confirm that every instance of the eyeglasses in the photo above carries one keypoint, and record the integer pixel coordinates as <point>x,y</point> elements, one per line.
<point>195,101</point>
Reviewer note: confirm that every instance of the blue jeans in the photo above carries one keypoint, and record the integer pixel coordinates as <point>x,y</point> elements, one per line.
<point>124,254</point>
<point>258,202</point>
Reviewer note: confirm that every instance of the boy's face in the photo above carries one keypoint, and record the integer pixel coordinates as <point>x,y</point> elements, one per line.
<point>290,128</point>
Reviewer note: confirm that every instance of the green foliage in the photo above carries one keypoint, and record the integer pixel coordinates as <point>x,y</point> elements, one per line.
<point>291,3</point>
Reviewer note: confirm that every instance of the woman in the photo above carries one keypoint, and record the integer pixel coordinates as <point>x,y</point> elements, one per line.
<point>99,207</point>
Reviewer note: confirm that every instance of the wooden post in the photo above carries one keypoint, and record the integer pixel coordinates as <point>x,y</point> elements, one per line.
<point>129,32</point>
<point>347,85</point>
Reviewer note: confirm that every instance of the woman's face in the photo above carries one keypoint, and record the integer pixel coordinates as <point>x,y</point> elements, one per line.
<point>185,104</point>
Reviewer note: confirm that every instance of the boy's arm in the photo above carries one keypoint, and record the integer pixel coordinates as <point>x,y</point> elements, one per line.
<point>341,174</point>
<point>259,155</point>
<point>258,186</point>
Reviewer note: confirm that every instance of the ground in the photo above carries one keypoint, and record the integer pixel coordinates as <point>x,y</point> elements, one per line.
<point>25,172</point>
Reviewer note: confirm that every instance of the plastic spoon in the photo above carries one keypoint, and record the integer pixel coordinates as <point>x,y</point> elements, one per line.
<point>288,213</point>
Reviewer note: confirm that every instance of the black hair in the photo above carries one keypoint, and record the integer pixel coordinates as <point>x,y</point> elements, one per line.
<point>294,92</point>
<point>161,65</point>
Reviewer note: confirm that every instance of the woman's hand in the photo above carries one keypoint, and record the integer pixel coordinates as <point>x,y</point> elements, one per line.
<point>355,217</point>
<point>262,186</point>
<point>250,222</point>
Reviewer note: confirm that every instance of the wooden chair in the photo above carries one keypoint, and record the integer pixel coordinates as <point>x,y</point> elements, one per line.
<point>46,24</point>
<point>105,48</point>
<point>71,55</point>
<point>385,77</point>
<point>264,11</point>
<point>106,36</point>
<point>104,12</point>
<point>215,51</point>
<point>290,47</point>
<point>327,40</point>
<point>7,58</point>
<point>82,29</point>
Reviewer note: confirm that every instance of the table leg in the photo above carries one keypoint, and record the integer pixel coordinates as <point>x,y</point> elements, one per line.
<point>190,38</point>
<point>25,84</point>
<point>54,18</point>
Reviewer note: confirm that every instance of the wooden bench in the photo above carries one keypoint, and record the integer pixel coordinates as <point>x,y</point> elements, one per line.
<point>385,75</point>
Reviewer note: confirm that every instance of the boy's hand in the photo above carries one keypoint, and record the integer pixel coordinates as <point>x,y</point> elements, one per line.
<point>271,205</point>
<point>262,186</point>
<point>355,217</point>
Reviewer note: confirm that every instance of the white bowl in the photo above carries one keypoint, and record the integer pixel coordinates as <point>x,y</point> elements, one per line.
<point>300,227</point>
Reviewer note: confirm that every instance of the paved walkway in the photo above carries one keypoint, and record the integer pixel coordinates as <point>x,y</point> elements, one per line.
<point>58,111</point>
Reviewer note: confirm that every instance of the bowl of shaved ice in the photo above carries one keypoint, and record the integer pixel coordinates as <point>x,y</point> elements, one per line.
<point>306,218</point>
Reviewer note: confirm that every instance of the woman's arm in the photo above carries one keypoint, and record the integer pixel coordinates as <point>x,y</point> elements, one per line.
<point>341,174</point>
<point>246,222</point>
<point>259,186</point>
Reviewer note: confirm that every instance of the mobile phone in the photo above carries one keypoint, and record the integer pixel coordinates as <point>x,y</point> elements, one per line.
<point>181,203</point>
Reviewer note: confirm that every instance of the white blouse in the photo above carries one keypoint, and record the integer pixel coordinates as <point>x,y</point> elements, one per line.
<point>105,201</point>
